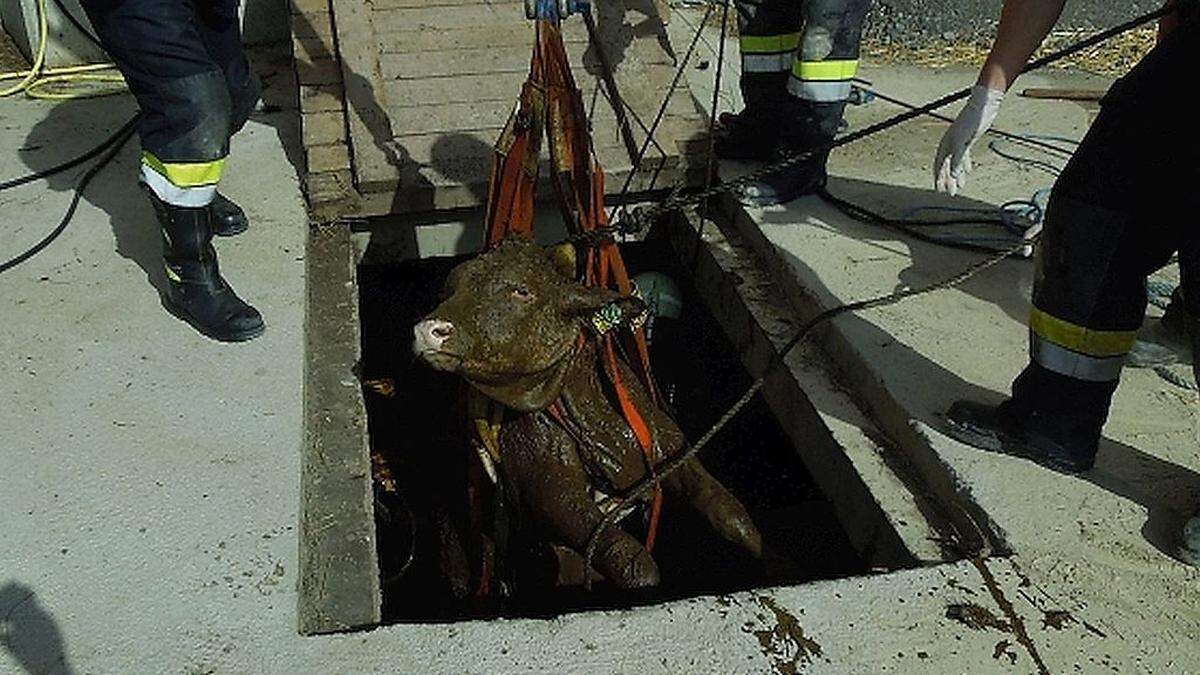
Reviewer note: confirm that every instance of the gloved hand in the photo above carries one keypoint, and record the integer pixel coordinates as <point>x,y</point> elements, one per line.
<point>953,160</point>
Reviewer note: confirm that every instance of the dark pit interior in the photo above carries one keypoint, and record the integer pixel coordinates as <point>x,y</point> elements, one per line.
<point>418,431</point>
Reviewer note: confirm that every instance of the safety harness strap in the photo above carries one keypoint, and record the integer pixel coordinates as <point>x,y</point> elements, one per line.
<point>551,105</point>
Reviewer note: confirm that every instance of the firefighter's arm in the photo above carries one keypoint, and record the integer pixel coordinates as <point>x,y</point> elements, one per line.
<point>1023,26</point>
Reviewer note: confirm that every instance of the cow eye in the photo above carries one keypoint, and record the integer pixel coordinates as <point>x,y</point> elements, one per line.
<point>522,293</point>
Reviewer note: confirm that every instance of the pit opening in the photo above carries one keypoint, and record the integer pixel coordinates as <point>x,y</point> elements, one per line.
<point>418,431</point>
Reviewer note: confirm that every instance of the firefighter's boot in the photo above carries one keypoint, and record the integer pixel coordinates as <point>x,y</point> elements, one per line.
<point>196,292</point>
<point>806,132</point>
<point>228,218</point>
<point>1001,429</point>
<point>753,133</point>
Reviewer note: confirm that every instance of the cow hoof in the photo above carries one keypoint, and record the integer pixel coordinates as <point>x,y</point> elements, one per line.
<point>730,518</point>
<point>627,565</point>
<point>642,572</point>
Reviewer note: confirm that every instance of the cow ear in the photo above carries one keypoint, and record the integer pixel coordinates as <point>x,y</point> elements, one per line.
<point>563,259</point>
<point>586,300</point>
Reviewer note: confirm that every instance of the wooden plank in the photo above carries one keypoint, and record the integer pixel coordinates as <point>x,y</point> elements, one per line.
<point>329,186</point>
<point>321,98</point>
<point>418,65</point>
<point>369,126</point>
<point>382,5</point>
<point>441,151</point>
<point>446,74</point>
<point>338,585</point>
<point>461,89</point>
<point>493,114</point>
<point>1064,94</point>
<point>448,39</point>
<point>314,49</point>
<point>318,71</point>
<point>423,199</point>
<point>334,157</point>
<point>449,18</point>
<point>642,88</point>
<point>309,6</point>
<point>323,128</point>
<point>314,25</point>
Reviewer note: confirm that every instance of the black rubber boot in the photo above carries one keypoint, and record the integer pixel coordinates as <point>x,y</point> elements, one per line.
<point>997,429</point>
<point>806,129</point>
<point>753,133</point>
<point>227,217</point>
<point>802,177</point>
<point>196,293</point>
<point>746,137</point>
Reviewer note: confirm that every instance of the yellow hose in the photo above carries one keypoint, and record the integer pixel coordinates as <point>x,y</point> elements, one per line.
<point>54,83</point>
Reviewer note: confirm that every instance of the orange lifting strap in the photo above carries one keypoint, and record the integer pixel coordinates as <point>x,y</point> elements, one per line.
<point>551,105</point>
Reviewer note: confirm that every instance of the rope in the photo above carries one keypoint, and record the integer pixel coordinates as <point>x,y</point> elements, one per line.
<point>697,197</point>
<point>655,477</point>
<point>51,83</point>
<point>639,490</point>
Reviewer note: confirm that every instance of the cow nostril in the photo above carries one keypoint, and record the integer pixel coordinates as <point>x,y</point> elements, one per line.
<point>443,330</point>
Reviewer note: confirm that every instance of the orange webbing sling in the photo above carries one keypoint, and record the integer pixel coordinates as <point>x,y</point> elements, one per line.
<point>551,105</point>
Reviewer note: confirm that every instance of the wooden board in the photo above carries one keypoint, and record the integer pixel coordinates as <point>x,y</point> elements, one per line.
<point>426,86</point>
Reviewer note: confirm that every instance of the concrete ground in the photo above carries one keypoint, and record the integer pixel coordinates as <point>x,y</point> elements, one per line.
<point>150,477</point>
<point>1102,543</point>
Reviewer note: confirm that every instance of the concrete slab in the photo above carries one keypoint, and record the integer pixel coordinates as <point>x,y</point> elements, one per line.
<point>1101,542</point>
<point>148,478</point>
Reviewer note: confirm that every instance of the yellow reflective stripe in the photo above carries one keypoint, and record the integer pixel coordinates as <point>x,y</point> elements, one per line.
<point>190,174</point>
<point>1098,343</point>
<point>825,70</point>
<point>769,44</point>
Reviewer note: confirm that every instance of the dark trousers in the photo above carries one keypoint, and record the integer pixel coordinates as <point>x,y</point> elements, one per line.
<point>1125,203</point>
<point>183,60</point>
<point>798,58</point>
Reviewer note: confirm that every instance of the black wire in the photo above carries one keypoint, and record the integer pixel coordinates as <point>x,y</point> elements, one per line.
<point>114,143</point>
<point>910,226</point>
<point>662,109</point>
<point>1017,138</point>
<point>642,487</point>
<point>710,162</point>
<point>69,164</point>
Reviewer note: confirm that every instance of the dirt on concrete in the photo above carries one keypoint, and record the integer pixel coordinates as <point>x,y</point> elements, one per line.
<point>1113,57</point>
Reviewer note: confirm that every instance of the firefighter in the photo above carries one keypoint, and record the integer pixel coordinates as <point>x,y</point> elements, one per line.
<point>1117,213</point>
<point>795,82</point>
<point>184,63</point>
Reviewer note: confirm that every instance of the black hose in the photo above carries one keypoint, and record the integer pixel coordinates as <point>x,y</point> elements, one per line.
<point>113,145</point>
<point>69,164</point>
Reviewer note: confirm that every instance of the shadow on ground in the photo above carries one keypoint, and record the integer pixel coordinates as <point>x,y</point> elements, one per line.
<point>71,128</point>
<point>1169,492</point>
<point>29,634</point>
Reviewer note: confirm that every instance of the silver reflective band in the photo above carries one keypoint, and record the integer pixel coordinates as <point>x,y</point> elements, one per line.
<point>822,92</point>
<point>768,63</point>
<point>1073,364</point>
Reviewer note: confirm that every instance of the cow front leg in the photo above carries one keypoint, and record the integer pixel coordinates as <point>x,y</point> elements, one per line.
<point>541,460</point>
<point>695,485</point>
<point>570,516</point>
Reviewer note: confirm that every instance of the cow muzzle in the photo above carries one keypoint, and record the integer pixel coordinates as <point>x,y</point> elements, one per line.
<point>430,336</point>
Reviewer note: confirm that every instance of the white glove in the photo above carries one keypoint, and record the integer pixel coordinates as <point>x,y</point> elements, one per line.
<point>953,160</point>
